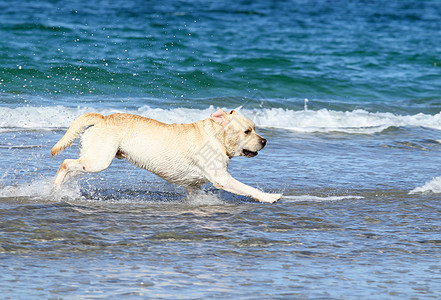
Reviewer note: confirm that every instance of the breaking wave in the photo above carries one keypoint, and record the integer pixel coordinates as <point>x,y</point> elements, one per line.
<point>357,121</point>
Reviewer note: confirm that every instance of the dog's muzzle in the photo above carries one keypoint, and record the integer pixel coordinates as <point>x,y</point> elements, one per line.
<point>249,153</point>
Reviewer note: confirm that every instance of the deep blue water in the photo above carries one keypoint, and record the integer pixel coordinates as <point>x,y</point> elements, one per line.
<point>358,162</point>
<point>182,52</point>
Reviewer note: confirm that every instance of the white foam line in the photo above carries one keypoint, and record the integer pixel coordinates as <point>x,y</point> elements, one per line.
<point>323,120</point>
<point>310,198</point>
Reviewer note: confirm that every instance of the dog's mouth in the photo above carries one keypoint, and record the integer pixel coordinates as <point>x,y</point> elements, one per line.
<point>248,153</point>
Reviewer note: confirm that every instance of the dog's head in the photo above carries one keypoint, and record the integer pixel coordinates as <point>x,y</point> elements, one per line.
<point>239,134</point>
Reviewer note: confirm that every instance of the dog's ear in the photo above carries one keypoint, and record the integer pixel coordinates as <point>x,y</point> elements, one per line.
<point>233,112</point>
<point>220,117</point>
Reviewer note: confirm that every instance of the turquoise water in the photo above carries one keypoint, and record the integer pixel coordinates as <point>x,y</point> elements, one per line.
<point>182,52</point>
<point>347,94</point>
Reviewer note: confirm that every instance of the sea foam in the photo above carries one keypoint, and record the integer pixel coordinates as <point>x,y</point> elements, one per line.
<point>310,198</point>
<point>357,121</point>
<point>433,186</point>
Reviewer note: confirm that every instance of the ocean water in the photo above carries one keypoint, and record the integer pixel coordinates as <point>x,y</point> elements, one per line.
<point>347,93</point>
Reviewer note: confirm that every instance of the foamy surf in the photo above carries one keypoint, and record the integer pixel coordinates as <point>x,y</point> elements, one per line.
<point>323,120</point>
<point>433,186</point>
<point>310,198</point>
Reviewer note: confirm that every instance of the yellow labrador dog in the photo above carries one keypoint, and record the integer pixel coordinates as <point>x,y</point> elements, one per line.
<point>186,154</point>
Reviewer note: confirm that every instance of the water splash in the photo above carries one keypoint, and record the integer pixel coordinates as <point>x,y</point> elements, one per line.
<point>41,189</point>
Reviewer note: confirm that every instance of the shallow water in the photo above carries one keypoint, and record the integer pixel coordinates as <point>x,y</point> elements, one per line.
<point>376,246</point>
<point>347,226</point>
<point>357,161</point>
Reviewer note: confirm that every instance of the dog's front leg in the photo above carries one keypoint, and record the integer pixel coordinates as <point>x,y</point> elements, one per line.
<point>229,184</point>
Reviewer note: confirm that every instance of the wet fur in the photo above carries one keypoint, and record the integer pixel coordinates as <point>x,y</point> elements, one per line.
<point>186,154</point>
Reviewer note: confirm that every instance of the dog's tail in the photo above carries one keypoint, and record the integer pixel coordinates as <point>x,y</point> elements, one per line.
<point>88,119</point>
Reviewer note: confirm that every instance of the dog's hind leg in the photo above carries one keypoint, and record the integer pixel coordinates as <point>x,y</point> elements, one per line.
<point>68,169</point>
<point>73,167</point>
<point>97,154</point>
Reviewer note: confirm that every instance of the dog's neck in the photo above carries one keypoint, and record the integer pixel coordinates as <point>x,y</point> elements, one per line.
<point>216,131</point>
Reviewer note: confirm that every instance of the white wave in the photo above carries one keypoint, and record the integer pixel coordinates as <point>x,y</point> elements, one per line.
<point>309,198</point>
<point>29,117</point>
<point>433,186</point>
<point>323,120</point>
<point>357,121</point>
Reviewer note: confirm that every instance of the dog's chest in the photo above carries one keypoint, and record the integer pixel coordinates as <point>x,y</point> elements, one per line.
<point>180,171</point>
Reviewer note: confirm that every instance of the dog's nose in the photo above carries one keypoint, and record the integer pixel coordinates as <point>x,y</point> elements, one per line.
<point>263,142</point>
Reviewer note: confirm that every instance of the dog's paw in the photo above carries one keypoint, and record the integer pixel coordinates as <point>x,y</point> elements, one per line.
<point>270,198</point>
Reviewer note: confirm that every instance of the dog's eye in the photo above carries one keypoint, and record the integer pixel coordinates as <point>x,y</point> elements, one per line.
<point>248,131</point>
